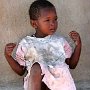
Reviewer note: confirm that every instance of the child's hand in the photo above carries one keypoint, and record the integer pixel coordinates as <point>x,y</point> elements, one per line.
<point>75,37</point>
<point>9,48</point>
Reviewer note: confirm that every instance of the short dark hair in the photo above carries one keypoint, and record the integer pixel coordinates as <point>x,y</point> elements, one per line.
<point>36,6</point>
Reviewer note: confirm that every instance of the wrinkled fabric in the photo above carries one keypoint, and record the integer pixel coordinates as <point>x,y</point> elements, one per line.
<point>50,52</point>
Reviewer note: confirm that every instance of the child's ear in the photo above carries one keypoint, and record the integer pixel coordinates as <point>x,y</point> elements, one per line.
<point>33,23</point>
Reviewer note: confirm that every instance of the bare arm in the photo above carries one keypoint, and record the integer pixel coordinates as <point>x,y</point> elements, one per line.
<point>73,61</point>
<point>20,70</point>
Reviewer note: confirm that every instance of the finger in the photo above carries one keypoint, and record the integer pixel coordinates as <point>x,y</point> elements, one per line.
<point>9,48</point>
<point>73,33</point>
<point>10,45</point>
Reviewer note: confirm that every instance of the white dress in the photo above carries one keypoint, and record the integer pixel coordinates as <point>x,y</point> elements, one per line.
<point>50,52</point>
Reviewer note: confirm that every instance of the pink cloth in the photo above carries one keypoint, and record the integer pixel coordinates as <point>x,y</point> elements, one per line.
<point>57,77</point>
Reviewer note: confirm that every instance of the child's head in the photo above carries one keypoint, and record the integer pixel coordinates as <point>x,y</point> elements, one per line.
<point>43,17</point>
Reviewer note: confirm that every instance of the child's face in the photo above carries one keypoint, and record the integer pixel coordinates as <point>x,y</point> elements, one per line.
<point>47,22</point>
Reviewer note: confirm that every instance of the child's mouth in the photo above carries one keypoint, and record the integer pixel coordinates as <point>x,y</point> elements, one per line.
<point>52,30</point>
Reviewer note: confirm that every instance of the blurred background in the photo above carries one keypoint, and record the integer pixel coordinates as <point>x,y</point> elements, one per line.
<point>15,24</point>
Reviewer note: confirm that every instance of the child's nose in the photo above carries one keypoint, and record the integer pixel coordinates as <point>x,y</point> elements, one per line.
<point>52,23</point>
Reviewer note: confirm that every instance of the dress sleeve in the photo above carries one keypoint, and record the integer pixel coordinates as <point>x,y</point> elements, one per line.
<point>19,53</point>
<point>67,49</point>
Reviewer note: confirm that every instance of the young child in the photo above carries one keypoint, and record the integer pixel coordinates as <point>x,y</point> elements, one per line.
<point>46,56</point>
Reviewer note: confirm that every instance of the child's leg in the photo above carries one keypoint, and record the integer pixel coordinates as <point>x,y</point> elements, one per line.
<point>44,87</point>
<point>35,77</point>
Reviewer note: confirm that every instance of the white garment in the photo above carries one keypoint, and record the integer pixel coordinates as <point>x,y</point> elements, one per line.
<point>50,52</point>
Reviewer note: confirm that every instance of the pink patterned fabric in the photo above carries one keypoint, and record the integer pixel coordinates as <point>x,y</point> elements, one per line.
<point>20,55</point>
<point>68,50</point>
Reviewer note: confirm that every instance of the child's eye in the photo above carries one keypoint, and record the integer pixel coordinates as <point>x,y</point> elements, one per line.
<point>47,20</point>
<point>55,19</point>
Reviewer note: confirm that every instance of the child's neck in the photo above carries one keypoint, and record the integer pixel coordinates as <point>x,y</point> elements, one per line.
<point>39,35</point>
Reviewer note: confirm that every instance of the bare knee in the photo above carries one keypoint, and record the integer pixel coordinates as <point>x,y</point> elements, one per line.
<point>36,72</point>
<point>36,78</point>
